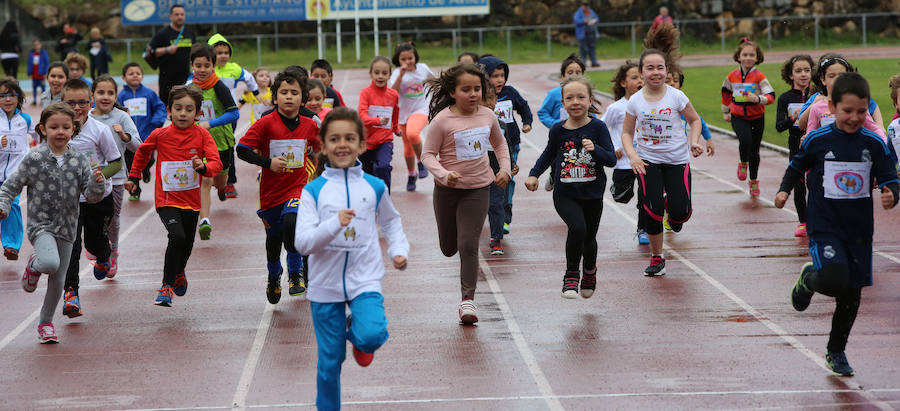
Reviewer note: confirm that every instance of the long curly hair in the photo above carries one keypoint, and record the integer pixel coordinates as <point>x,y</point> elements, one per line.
<point>662,41</point>
<point>441,88</point>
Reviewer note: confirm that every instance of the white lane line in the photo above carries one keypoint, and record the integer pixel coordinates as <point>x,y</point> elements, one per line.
<point>88,268</point>
<point>246,380</point>
<point>519,338</point>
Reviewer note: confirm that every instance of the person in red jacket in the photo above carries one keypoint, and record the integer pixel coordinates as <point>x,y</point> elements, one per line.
<point>745,94</point>
<point>282,143</point>
<point>379,109</point>
<point>181,149</point>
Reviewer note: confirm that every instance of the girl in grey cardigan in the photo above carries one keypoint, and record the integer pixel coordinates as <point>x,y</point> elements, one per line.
<point>56,177</point>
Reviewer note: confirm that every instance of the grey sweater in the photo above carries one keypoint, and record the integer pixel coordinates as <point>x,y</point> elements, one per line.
<point>53,191</point>
<point>122,118</point>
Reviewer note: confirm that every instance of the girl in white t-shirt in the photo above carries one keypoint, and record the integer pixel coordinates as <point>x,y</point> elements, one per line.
<point>659,151</point>
<point>409,80</point>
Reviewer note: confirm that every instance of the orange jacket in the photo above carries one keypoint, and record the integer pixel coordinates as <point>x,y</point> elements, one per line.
<point>372,95</point>
<point>736,91</point>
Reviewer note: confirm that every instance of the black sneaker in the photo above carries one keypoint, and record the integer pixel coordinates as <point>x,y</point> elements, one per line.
<point>800,295</point>
<point>837,361</point>
<point>411,183</point>
<point>588,284</point>
<point>570,284</point>
<point>222,194</point>
<point>657,266</point>
<point>304,269</point>
<point>297,285</point>
<point>423,172</point>
<point>273,290</point>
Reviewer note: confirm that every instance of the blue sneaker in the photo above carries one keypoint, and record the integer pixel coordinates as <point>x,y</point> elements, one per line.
<point>838,363</point>
<point>181,284</point>
<point>423,172</point>
<point>643,238</point>
<point>165,296</point>
<point>101,270</point>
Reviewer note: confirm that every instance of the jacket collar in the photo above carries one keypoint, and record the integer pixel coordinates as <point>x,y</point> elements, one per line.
<point>350,173</point>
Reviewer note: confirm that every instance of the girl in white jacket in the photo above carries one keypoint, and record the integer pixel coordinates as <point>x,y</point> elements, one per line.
<point>336,227</point>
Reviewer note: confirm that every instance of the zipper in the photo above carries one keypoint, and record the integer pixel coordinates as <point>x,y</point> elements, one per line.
<point>346,253</point>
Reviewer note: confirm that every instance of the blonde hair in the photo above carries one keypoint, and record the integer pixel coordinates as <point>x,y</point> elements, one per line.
<point>79,60</point>
<point>590,88</point>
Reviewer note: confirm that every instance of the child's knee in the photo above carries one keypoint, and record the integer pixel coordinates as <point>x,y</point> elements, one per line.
<point>45,264</point>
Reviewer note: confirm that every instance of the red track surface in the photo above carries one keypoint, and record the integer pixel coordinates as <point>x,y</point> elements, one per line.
<point>717,332</point>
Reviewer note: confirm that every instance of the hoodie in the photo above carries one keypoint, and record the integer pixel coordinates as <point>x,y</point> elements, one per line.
<point>231,73</point>
<point>508,99</point>
<point>145,108</point>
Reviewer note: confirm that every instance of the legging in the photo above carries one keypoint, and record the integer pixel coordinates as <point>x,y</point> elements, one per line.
<point>182,227</point>
<point>118,192</point>
<point>582,217</point>
<point>51,257</point>
<point>93,219</point>
<point>749,134</point>
<point>675,181</point>
<point>412,133</point>
<point>832,280</point>
<point>460,215</point>
<point>800,187</point>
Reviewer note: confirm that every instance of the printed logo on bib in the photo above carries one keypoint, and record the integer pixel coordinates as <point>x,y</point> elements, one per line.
<point>383,112</point>
<point>578,165</point>
<point>12,144</point>
<point>472,143</point>
<point>354,236</point>
<point>793,110</point>
<point>207,112</point>
<point>136,106</point>
<point>179,176</point>
<point>413,90</point>
<point>656,126</point>
<point>741,91</point>
<point>504,111</point>
<point>291,150</point>
<point>328,103</point>
<point>846,179</point>
<point>826,120</point>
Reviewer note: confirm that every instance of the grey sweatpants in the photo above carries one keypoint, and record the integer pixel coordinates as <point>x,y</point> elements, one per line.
<point>51,257</point>
<point>460,215</point>
<point>117,192</point>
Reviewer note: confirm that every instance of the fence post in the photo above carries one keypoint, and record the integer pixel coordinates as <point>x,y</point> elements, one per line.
<point>337,36</point>
<point>816,23</point>
<point>128,48</point>
<point>276,36</point>
<point>864,30</point>
<point>258,50</point>
<point>454,42</point>
<point>480,40</point>
<point>769,30</point>
<point>508,44</point>
<point>549,46</point>
<point>389,38</point>
<point>633,40</point>
<point>722,26</point>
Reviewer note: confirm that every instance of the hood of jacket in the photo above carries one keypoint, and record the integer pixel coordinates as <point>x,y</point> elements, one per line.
<point>218,38</point>
<point>492,63</point>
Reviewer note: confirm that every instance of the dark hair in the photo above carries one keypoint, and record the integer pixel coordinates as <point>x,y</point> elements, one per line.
<point>408,46</point>
<point>106,78</point>
<point>825,61</point>
<point>568,62</point>
<point>850,83</point>
<point>75,84</point>
<point>680,76</point>
<point>312,83</point>
<point>12,85</point>
<point>290,77</point>
<point>471,54</point>
<point>621,75</point>
<point>787,70</point>
<point>181,91</point>
<point>203,50</point>
<point>745,42</point>
<point>9,28</point>
<point>174,6</point>
<point>442,87</point>
<point>222,43</point>
<point>664,42</point>
<point>58,108</point>
<point>382,59</point>
<point>297,69</point>
<point>342,113</point>
<point>130,65</point>
<point>58,64</point>
<point>321,64</point>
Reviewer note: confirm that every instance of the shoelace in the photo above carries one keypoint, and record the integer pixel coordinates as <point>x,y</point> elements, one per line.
<point>657,261</point>
<point>48,330</point>
<point>467,305</point>
<point>589,281</point>
<point>570,283</point>
<point>166,291</point>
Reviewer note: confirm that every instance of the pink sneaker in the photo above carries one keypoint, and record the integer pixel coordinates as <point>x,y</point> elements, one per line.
<point>754,188</point>
<point>30,277</point>
<point>801,230</point>
<point>113,264</point>
<point>47,334</point>
<point>742,171</point>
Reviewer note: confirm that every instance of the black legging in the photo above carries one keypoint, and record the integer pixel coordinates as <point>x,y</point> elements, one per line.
<point>182,227</point>
<point>833,280</point>
<point>582,217</point>
<point>93,219</point>
<point>800,187</point>
<point>675,181</point>
<point>11,67</point>
<point>749,134</point>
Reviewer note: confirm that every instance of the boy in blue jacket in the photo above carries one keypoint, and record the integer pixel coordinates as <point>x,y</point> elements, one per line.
<point>508,99</point>
<point>146,110</point>
<point>38,64</point>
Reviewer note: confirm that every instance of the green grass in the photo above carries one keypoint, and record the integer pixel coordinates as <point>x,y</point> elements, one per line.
<point>703,86</point>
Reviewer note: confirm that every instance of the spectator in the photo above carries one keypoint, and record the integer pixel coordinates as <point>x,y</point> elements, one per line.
<point>10,47</point>
<point>586,32</point>
<point>172,46</point>
<point>662,18</point>
<point>68,43</point>
<point>100,56</point>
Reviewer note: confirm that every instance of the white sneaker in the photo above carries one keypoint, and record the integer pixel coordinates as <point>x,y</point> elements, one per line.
<point>30,277</point>
<point>468,312</point>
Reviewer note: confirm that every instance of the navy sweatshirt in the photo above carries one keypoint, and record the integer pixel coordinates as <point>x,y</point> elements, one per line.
<point>508,100</point>
<point>577,173</point>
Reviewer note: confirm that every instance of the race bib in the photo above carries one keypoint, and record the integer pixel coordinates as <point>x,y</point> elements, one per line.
<point>563,114</point>
<point>504,111</point>
<point>354,236</point>
<point>179,176</point>
<point>35,59</point>
<point>12,144</point>
<point>793,110</point>
<point>383,112</point>
<point>291,150</point>
<point>136,106</point>
<point>472,143</point>
<point>741,91</point>
<point>847,179</point>
<point>656,127</point>
<point>826,120</point>
<point>207,112</point>
<point>328,103</point>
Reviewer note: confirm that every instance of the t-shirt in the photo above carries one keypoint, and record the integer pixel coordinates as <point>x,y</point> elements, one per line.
<point>413,98</point>
<point>820,116</point>
<point>175,68</point>
<point>659,137</point>
<point>893,135</point>
<point>97,143</point>
<point>614,117</point>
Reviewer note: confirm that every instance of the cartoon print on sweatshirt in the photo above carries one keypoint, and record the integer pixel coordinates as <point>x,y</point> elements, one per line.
<point>578,164</point>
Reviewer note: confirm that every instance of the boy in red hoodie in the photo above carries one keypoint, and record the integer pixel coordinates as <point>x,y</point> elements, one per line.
<point>379,109</point>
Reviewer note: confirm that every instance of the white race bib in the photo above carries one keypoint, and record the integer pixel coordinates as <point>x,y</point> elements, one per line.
<point>354,236</point>
<point>472,143</point>
<point>504,111</point>
<point>741,91</point>
<point>291,150</point>
<point>13,145</point>
<point>179,176</point>
<point>35,59</point>
<point>846,179</point>
<point>793,110</point>
<point>207,112</point>
<point>136,106</point>
<point>328,103</point>
<point>826,120</point>
<point>383,112</point>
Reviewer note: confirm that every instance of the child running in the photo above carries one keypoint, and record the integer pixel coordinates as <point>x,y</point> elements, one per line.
<point>57,76</point>
<point>409,79</point>
<point>147,111</point>
<point>829,66</point>
<point>745,94</point>
<point>552,110</point>
<point>499,199</point>
<point>797,72</point>
<point>456,154</point>
<point>181,148</point>
<point>576,151</point>
<point>337,226</point>
<point>316,101</point>
<point>819,113</point>
<point>52,212</point>
<point>38,63</point>
<point>15,128</point>
<point>262,101</point>
<point>280,144</point>
<point>321,70</point>
<point>378,110</point>
<point>841,162</point>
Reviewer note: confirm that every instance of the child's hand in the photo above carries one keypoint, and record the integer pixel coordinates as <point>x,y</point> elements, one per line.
<point>727,117</point>
<point>637,163</point>
<point>887,198</point>
<point>204,124</point>
<point>117,128</point>
<point>264,101</point>
<point>696,150</point>
<point>587,144</point>
<point>130,186</point>
<point>619,154</point>
<point>197,163</point>
<point>397,133</point>
<point>515,169</point>
<point>501,180</point>
<point>531,183</point>
<point>453,178</point>
<point>710,148</point>
<point>98,176</point>
<point>278,164</point>
<point>344,217</point>
<point>526,128</point>
<point>383,120</point>
<point>400,262</point>
<point>782,197</point>
<point>4,141</point>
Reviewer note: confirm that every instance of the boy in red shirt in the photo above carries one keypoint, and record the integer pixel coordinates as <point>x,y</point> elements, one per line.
<point>181,149</point>
<point>280,143</point>
<point>379,110</point>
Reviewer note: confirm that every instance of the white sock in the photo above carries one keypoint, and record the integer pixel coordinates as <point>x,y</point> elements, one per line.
<point>202,220</point>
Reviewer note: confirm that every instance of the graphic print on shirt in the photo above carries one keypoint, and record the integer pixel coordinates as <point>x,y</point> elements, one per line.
<point>179,176</point>
<point>472,143</point>
<point>413,90</point>
<point>656,126</point>
<point>207,112</point>
<point>826,119</point>
<point>741,91</point>
<point>291,150</point>
<point>578,165</point>
<point>504,111</point>
<point>354,236</point>
<point>847,179</point>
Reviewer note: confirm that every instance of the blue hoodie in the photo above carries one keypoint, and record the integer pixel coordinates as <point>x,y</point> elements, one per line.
<point>145,108</point>
<point>508,99</point>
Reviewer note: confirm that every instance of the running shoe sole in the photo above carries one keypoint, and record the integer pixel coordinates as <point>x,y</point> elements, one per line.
<point>11,254</point>
<point>570,294</point>
<point>468,319</point>
<point>204,231</point>
<point>72,311</point>
<point>659,274</point>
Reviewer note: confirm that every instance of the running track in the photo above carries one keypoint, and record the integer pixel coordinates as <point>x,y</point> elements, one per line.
<point>717,332</point>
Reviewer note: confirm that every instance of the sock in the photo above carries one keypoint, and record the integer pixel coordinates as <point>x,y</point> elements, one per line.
<point>663,256</point>
<point>413,173</point>
<point>204,220</point>
<point>294,263</point>
<point>572,273</point>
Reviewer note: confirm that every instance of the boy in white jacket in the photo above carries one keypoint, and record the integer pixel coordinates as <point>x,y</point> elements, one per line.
<point>336,227</point>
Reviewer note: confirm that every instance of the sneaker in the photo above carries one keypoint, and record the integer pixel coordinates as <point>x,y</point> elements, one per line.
<point>204,230</point>
<point>468,312</point>
<point>181,283</point>
<point>273,289</point>
<point>570,285</point>
<point>47,334</point>
<point>145,175</point>
<point>296,284</point>
<point>113,265</point>
<point>838,363</point>
<point>742,171</point>
<point>89,256</point>
<point>657,266</point>
<point>165,296</point>
<point>230,191</point>
<point>643,237</point>
<point>71,305</point>
<point>800,295</point>
<point>505,228</point>
<point>588,284</point>
<point>135,197</point>
<point>222,195</point>
<point>548,185</point>
<point>363,358</point>
<point>411,183</point>
<point>101,269</point>
<point>496,248</point>
<point>30,277</point>
<point>666,225</point>
<point>423,172</point>
<point>754,188</point>
<point>11,254</point>
<point>801,230</point>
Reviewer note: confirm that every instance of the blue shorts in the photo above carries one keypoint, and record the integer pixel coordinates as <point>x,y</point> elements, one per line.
<point>272,217</point>
<point>828,249</point>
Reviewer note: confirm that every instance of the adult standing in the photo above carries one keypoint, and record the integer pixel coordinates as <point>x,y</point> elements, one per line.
<point>10,47</point>
<point>586,32</point>
<point>172,47</point>
<point>68,43</point>
<point>662,18</point>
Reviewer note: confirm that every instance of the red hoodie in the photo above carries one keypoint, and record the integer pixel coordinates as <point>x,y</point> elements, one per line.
<point>177,184</point>
<point>376,102</point>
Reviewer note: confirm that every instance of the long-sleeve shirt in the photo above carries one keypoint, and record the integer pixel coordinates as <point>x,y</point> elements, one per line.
<point>145,107</point>
<point>459,143</point>
<point>789,103</point>
<point>509,100</point>
<point>736,91</point>
<point>16,130</point>
<point>376,103</point>
<point>552,110</point>
<point>122,118</point>
<point>577,172</point>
